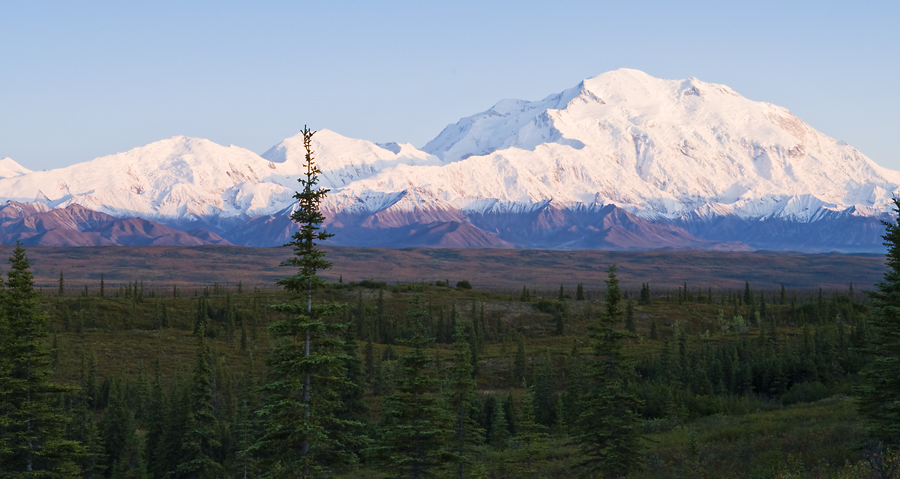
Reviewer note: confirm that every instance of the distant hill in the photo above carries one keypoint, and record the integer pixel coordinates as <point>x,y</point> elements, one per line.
<point>33,224</point>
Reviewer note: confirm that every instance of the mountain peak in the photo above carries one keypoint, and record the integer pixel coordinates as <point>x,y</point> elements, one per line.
<point>663,150</point>
<point>9,168</point>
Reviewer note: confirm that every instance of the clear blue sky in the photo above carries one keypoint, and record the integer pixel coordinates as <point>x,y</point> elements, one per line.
<point>80,80</point>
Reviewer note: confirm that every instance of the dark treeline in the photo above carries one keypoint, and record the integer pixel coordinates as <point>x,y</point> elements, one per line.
<point>736,357</point>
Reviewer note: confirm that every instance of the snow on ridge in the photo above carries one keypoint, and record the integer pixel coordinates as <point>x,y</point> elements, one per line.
<point>9,168</point>
<point>661,149</point>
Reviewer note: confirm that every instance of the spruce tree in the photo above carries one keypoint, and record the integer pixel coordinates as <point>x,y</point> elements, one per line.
<point>559,323</point>
<point>879,393</point>
<point>156,426</point>
<point>416,429</point>
<point>519,366</point>
<point>84,430</point>
<point>499,431</point>
<point>306,369</point>
<point>352,410</point>
<point>526,295</point>
<point>531,437</point>
<point>199,445</point>
<point>119,431</point>
<point>574,386</point>
<point>460,392</point>
<point>32,426</point>
<point>579,292</point>
<point>629,317</point>
<point>369,362</point>
<point>608,427</point>
<point>543,391</point>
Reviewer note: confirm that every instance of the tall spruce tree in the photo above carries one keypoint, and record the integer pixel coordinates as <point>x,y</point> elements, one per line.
<point>519,365</point>
<point>460,391</point>
<point>200,445</point>
<point>32,426</point>
<point>156,425</point>
<point>84,429</point>
<point>531,438</point>
<point>416,429</point>
<point>306,370</point>
<point>629,317</point>
<point>879,393</point>
<point>608,427</point>
<point>119,431</point>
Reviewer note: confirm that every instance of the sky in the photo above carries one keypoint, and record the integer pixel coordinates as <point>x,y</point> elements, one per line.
<point>80,80</point>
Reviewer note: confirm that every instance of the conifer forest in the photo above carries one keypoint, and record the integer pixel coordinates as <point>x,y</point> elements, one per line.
<point>361,378</point>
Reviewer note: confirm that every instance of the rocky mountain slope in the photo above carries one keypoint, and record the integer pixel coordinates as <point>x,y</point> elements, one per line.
<point>620,161</point>
<point>33,224</point>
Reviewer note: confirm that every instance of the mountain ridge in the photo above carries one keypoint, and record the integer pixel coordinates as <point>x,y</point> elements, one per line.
<point>696,159</point>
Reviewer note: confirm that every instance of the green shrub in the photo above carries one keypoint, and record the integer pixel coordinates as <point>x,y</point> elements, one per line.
<point>805,392</point>
<point>372,284</point>
<point>464,284</point>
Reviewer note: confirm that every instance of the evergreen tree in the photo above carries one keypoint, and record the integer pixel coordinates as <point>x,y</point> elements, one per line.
<point>645,294</point>
<point>559,323</point>
<point>531,437</point>
<point>201,319</point>
<point>243,432</point>
<point>229,318</point>
<point>499,431</point>
<point>461,391</point>
<point>880,390</point>
<point>156,426</point>
<point>119,431</point>
<point>199,445</point>
<point>306,369</point>
<point>369,362</point>
<point>608,426</point>
<point>519,365</point>
<point>629,317</point>
<point>62,285</point>
<point>84,430</point>
<point>574,386</point>
<point>579,292</point>
<point>352,410</point>
<point>243,336</point>
<point>32,426</point>
<point>509,414</point>
<point>89,388</point>
<point>416,427</point>
<point>543,391</point>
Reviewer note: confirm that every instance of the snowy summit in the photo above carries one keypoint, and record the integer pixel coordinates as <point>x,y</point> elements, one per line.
<point>606,163</point>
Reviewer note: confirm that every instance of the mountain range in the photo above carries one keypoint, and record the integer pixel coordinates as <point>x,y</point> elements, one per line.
<point>620,161</point>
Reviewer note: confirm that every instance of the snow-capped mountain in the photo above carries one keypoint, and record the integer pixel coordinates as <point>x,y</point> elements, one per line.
<point>621,160</point>
<point>183,180</point>
<point>662,148</point>
<point>9,168</point>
